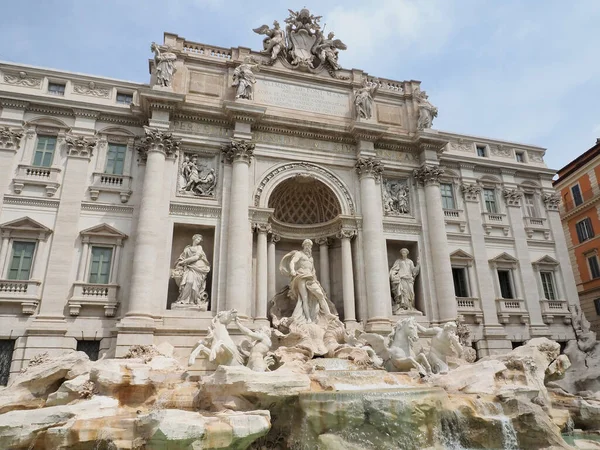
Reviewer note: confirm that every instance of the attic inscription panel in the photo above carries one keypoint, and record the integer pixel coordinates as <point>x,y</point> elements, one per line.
<point>320,101</point>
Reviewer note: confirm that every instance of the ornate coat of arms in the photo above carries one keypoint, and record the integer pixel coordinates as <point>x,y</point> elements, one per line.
<point>303,45</point>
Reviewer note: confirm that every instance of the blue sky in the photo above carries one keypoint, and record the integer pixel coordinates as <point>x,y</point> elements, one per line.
<point>527,71</point>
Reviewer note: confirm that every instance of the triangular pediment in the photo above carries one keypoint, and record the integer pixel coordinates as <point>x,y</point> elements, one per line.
<point>25,224</point>
<point>461,254</point>
<point>504,258</point>
<point>546,261</point>
<point>103,230</point>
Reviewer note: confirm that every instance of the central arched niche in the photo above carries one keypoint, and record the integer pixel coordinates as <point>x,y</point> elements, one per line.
<point>304,200</point>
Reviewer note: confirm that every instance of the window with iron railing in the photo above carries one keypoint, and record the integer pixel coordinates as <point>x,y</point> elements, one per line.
<point>574,198</point>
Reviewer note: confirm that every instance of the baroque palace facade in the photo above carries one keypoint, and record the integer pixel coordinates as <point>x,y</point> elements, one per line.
<point>105,184</point>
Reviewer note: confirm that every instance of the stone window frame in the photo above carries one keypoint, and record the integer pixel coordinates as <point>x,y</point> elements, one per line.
<point>461,259</point>
<point>102,235</point>
<point>505,261</point>
<point>494,184</point>
<point>119,137</point>
<point>452,178</point>
<point>523,154</point>
<point>530,188</point>
<point>24,229</point>
<point>486,150</point>
<point>588,255</point>
<point>548,264</point>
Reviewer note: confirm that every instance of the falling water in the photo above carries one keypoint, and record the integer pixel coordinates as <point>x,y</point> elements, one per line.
<point>494,411</point>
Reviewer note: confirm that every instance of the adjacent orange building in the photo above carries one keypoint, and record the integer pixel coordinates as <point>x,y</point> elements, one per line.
<point>579,186</point>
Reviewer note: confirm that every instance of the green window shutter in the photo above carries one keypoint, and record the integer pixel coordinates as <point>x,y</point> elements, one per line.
<point>22,260</point>
<point>44,151</point>
<point>100,265</point>
<point>115,159</point>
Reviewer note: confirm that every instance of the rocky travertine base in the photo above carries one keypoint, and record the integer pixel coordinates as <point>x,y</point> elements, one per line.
<point>148,402</point>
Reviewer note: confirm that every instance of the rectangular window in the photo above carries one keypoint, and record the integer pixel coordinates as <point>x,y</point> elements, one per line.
<point>115,159</point>
<point>100,265</point>
<point>481,151</point>
<point>461,288</point>
<point>530,209</point>
<point>584,229</point>
<point>594,266</point>
<point>124,99</point>
<point>7,347</point>
<point>447,196</point>
<point>489,196</point>
<point>56,88</point>
<point>520,157</point>
<point>44,151</point>
<point>21,260</point>
<point>577,197</point>
<point>506,286</point>
<point>90,348</point>
<point>548,285</point>
<point>596,305</point>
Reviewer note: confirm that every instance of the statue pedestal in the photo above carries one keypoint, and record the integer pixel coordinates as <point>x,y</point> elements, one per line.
<point>189,307</point>
<point>408,313</point>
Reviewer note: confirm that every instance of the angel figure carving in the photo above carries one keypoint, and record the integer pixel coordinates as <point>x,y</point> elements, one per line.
<point>275,40</point>
<point>244,79</point>
<point>328,49</point>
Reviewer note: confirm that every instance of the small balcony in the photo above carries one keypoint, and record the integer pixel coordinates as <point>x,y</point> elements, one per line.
<point>48,177</point>
<point>26,293</point>
<point>94,295</point>
<point>495,220</point>
<point>469,306</point>
<point>552,309</point>
<point>456,217</point>
<point>511,307</point>
<point>533,224</point>
<point>105,182</point>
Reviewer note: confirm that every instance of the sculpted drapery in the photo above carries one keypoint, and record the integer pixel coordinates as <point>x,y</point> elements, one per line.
<point>190,273</point>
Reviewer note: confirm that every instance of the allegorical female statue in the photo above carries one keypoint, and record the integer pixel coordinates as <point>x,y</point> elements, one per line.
<point>402,278</point>
<point>244,79</point>
<point>190,273</point>
<point>363,99</point>
<point>165,66</point>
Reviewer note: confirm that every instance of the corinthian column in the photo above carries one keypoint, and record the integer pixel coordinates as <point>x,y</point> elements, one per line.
<point>379,306</point>
<point>155,147</point>
<point>239,153</point>
<point>429,177</point>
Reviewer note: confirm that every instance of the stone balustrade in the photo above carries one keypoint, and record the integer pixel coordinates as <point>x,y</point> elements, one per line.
<point>48,177</point>
<point>533,224</point>
<point>495,220</point>
<point>552,309</point>
<point>470,306</point>
<point>509,307</point>
<point>94,294</point>
<point>204,50</point>
<point>23,292</point>
<point>105,182</point>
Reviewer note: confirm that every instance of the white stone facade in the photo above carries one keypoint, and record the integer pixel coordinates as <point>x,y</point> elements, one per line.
<point>293,163</point>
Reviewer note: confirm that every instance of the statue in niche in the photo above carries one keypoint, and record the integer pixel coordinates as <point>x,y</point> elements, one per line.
<point>427,112</point>
<point>402,278</point>
<point>197,178</point>
<point>244,79</point>
<point>275,40</point>
<point>395,198</point>
<point>218,346</point>
<point>328,50</point>
<point>363,99</point>
<point>190,273</point>
<point>165,66</point>
<point>311,301</point>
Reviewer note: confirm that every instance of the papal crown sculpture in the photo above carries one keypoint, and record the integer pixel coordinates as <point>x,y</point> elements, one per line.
<point>303,45</point>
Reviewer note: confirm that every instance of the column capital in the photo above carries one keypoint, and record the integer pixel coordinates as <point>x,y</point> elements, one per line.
<point>512,196</point>
<point>369,167</point>
<point>78,146</point>
<point>261,227</point>
<point>238,150</point>
<point>274,238</point>
<point>471,192</point>
<point>346,234</point>
<point>322,241</point>
<point>158,141</point>
<point>10,138</point>
<point>428,174</point>
<point>551,201</point>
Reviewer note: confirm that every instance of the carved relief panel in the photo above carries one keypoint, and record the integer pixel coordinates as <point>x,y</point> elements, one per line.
<point>197,176</point>
<point>396,198</point>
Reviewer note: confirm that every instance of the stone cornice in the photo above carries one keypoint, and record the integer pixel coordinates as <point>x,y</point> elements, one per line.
<point>87,113</point>
<point>369,167</point>
<point>428,174</point>
<point>241,111</point>
<point>238,150</point>
<point>13,104</point>
<point>370,132</point>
